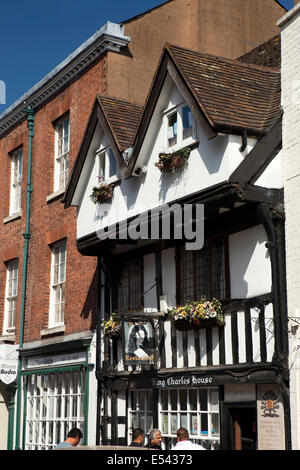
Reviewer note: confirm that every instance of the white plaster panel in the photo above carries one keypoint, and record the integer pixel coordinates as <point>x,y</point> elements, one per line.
<point>250,266</point>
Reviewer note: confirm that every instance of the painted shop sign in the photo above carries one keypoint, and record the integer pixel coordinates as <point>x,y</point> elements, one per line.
<point>138,342</point>
<point>184,381</point>
<point>46,361</point>
<point>270,417</point>
<point>8,371</point>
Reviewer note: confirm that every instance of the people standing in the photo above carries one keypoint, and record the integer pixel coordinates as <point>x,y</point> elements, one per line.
<point>154,440</point>
<point>183,442</point>
<point>138,437</point>
<point>72,440</point>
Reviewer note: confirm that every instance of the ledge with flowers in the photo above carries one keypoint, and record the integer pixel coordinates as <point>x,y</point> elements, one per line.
<point>104,192</point>
<point>194,315</point>
<point>112,327</point>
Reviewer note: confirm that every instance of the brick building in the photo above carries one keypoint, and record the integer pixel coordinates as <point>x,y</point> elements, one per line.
<point>48,291</point>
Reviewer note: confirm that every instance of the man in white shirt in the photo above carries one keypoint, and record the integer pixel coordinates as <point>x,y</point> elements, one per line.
<point>183,442</point>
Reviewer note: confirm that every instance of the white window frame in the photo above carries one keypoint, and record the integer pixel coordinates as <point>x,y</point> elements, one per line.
<point>54,405</point>
<point>209,437</point>
<point>58,283</point>
<point>139,415</point>
<point>16,182</point>
<point>103,165</point>
<point>180,141</point>
<point>11,294</point>
<point>62,149</point>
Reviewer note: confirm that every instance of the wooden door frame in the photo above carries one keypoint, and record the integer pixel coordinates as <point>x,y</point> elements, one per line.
<point>227,438</point>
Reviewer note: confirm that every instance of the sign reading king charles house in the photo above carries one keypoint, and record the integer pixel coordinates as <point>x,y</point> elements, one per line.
<point>8,370</point>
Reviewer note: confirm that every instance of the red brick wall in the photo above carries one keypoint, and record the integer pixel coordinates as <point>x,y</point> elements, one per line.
<point>49,222</point>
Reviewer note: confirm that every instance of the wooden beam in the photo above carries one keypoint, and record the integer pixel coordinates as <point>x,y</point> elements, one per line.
<point>260,156</point>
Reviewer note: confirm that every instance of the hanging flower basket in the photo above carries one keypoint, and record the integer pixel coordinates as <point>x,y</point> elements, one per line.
<point>195,315</point>
<point>112,327</point>
<point>170,162</point>
<point>103,193</point>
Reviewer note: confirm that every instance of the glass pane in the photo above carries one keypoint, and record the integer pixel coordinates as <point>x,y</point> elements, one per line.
<point>194,424</point>
<point>133,401</point>
<point>172,129</point>
<point>112,163</point>
<point>164,420</point>
<point>183,421</point>
<point>149,423</point>
<point>183,399</point>
<point>214,400</point>
<point>203,399</point>
<point>204,423</point>
<point>174,425</point>
<point>215,426</point>
<point>193,399</point>
<point>173,398</point>
<point>164,399</point>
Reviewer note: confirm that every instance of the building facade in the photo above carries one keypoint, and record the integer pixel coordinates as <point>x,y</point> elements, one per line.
<point>48,291</point>
<point>290,141</point>
<point>226,382</point>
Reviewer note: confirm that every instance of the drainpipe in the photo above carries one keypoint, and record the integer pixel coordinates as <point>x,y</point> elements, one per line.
<point>26,235</point>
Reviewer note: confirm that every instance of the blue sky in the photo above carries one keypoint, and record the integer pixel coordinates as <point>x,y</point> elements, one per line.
<point>35,36</point>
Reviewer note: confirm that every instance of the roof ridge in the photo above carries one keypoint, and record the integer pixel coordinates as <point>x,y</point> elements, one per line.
<point>112,98</point>
<point>225,59</point>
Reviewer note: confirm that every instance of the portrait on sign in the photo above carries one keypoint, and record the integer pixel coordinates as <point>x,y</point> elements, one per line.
<point>138,342</point>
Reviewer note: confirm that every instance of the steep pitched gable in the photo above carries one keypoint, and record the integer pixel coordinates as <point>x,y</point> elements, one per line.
<point>119,121</point>
<point>224,95</point>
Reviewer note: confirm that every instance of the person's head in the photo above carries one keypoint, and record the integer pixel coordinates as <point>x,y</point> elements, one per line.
<point>182,434</point>
<point>155,437</point>
<point>138,436</point>
<point>138,337</point>
<point>74,436</point>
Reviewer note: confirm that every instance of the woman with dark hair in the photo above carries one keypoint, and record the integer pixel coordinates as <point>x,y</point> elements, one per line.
<point>138,343</point>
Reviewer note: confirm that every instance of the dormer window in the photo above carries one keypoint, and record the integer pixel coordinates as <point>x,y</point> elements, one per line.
<point>107,165</point>
<point>180,124</point>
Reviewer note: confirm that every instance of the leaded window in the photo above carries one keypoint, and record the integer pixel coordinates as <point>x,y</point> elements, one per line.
<point>203,273</point>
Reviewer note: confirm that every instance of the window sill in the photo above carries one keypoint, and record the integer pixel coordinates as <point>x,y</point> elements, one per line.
<point>11,218</point>
<point>112,179</point>
<point>8,338</point>
<point>53,330</point>
<point>192,143</point>
<point>54,196</point>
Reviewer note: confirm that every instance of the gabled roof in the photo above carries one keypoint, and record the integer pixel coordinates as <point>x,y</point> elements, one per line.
<point>224,95</point>
<point>123,119</point>
<point>267,54</point>
<point>231,94</point>
<point>119,119</point>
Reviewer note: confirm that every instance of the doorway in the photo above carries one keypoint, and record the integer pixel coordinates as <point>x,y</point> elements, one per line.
<point>239,427</point>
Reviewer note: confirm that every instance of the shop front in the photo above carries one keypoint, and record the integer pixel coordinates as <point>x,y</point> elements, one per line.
<point>224,411</point>
<point>55,384</point>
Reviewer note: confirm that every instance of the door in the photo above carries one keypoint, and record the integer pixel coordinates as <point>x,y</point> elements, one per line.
<point>239,426</point>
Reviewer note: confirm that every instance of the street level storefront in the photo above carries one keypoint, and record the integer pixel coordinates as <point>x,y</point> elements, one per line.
<point>55,384</point>
<point>234,411</point>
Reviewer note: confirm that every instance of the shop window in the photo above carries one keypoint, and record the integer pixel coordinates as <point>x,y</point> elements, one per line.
<point>140,412</point>
<point>16,182</point>
<point>203,273</point>
<point>197,410</point>
<point>129,281</point>
<point>54,405</point>
<point>11,296</point>
<point>62,143</point>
